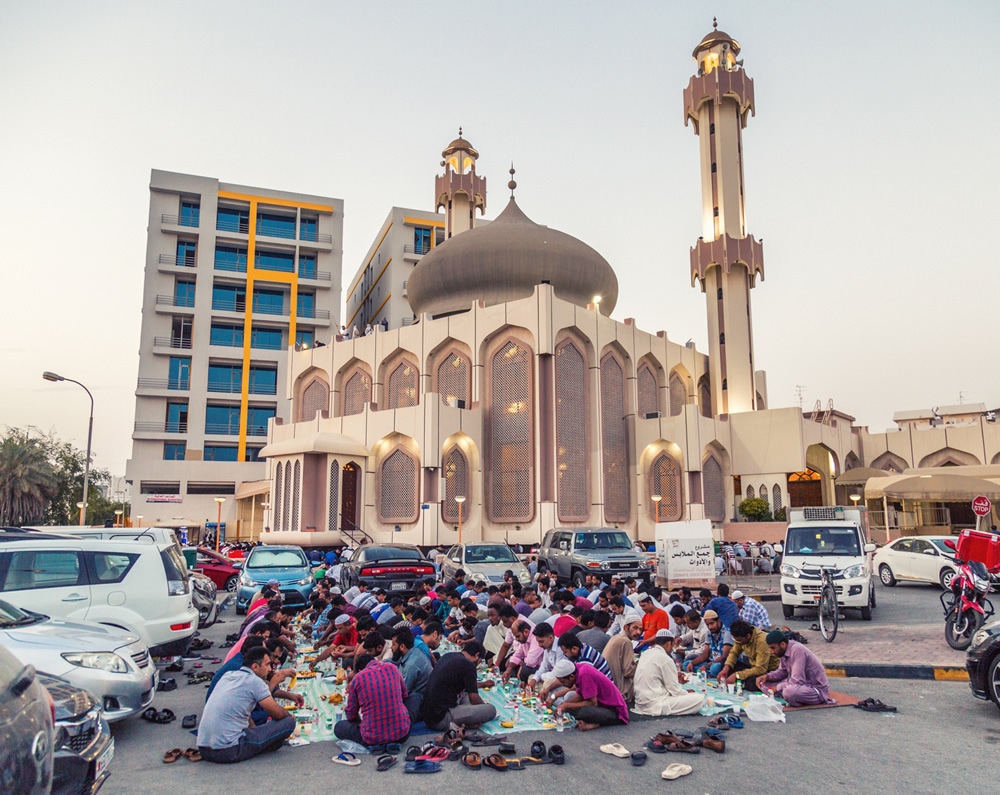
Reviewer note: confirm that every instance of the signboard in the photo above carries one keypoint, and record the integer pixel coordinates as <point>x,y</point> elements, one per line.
<point>164,498</point>
<point>685,553</point>
<point>981,506</point>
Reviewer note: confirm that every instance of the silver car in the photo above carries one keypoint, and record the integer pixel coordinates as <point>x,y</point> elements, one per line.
<point>110,663</point>
<point>486,562</point>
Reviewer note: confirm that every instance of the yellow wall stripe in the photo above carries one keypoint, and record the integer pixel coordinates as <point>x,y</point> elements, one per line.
<point>362,301</point>
<point>246,197</point>
<point>381,305</point>
<point>362,272</point>
<point>422,222</point>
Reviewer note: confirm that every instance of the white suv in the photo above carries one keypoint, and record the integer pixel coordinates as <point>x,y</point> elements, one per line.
<point>141,588</point>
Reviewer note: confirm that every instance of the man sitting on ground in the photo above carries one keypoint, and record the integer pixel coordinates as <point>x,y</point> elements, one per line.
<point>653,619</point>
<point>227,734</point>
<point>429,640</point>
<point>725,607</point>
<point>695,638</point>
<point>375,713</point>
<point>593,698</point>
<point>582,653</point>
<point>752,611</point>
<point>597,636</point>
<point>658,688</point>
<point>342,643</point>
<point>491,633</point>
<point>719,643</point>
<point>551,654</point>
<point>800,678</point>
<point>452,694</point>
<point>527,654</point>
<point>414,667</point>
<point>393,614</point>
<point>620,655</point>
<point>753,643</point>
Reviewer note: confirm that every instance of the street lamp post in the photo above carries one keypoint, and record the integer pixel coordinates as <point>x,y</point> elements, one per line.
<point>118,517</point>
<point>218,522</point>
<point>139,520</point>
<point>50,376</point>
<point>656,500</point>
<point>265,506</point>
<point>460,501</point>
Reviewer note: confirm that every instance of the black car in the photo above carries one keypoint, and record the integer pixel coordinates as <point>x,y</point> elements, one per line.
<point>397,568</point>
<point>983,663</point>
<point>83,743</point>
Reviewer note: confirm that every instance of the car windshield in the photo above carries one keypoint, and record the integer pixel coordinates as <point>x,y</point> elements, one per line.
<point>274,558</point>
<point>11,616</point>
<point>389,553</point>
<point>822,541</point>
<point>939,543</point>
<point>489,553</point>
<point>608,540</point>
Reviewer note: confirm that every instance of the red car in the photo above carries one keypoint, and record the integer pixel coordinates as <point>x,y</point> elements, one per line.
<point>218,569</point>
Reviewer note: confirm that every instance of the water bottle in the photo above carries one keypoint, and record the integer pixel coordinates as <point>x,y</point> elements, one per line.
<point>559,722</point>
<point>315,720</point>
<point>517,715</point>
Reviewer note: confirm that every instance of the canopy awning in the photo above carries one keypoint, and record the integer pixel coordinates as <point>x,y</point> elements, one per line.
<point>937,488</point>
<point>252,488</point>
<point>325,442</point>
<point>860,475</point>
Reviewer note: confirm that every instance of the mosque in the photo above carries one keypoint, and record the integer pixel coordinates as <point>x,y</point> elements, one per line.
<point>515,403</point>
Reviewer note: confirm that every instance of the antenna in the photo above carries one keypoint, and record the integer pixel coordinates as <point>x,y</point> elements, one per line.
<point>800,392</point>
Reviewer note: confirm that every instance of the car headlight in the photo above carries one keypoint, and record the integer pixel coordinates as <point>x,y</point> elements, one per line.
<point>478,575</point>
<point>102,661</point>
<point>980,637</point>
<point>852,572</point>
<point>248,582</point>
<point>305,581</point>
<point>605,565</point>
<point>790,571</point>
<point>524,576</point>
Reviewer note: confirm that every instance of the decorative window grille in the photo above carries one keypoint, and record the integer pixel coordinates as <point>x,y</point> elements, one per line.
<point>776,504</point>
<point>401,389</point>
<point>334,495</point>
<point>678,394</point>
<point>511,486</point>
<point>750,493</point>
<point>456,484</point>
<point>286,500</point>
<point>614,440</point>
<point>714,489</point>
<point>763,493</point>
<point>295,496</point>
<point>278,472</point>
<point>705,399</point>
<point>571,434</point>
<point>453,378</point>
<point>665,480</point>
<point>397,494</point>
<point>315,398</point>
<point>357,393</point>
<point>647,392</point>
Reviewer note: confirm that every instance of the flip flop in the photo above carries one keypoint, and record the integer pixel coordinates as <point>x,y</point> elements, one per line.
<point>457,752</point>
<point>150,714</point>
<point>189,722</point>
<point>733,721</point>
<point>497,762</point>
<point>473,761</point>
<point>615,749</point>
<point>676,771</point>
<point>192,755</point>
<point>172,755</point>
<point>385,762</point>
<point>437,755</point>
<point>669,737</point>
<point>656,746</point>
<point>638,758</point>
<point>516,764</point>
<point>412,753</point>
<point>422,766</point>
<point>719,723</point>
<point>346,758</point>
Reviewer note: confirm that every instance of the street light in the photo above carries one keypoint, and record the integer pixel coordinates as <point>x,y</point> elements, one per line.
<point>50,376</point>
<point>218,523</point>
<point>118,517</point>
<point>855,498</point>
<point>460,500</point>
<point>656,500</point>
<point>139,520</point>
<point>265,506</point>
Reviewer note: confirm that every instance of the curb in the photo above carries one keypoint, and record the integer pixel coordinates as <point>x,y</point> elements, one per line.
<point>889,671</point>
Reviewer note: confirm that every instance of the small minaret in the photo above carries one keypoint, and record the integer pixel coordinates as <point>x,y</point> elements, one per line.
<point>726,260</point>
<point>459,190</point>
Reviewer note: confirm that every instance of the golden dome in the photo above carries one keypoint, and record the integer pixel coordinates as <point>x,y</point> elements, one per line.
<point>716,37</point>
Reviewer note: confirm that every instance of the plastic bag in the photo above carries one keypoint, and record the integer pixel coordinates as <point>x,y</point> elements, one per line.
<point>764,710</point>
<point>351,747</point>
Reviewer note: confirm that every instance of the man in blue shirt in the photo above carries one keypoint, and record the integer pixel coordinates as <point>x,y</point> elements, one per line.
<point>429,640</point>
<point>331,558</point>
<point>725,607</point>
<point>415,668</point>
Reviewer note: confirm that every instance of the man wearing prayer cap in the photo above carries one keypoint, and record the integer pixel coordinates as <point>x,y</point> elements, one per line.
<point>800,678</point>
<point>658,688</point>
<point>619,652</point>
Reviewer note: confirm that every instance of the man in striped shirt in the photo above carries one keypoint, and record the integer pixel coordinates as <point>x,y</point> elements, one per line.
<point>578,652</point>
<point>375,713</point>
<point>752,611</point>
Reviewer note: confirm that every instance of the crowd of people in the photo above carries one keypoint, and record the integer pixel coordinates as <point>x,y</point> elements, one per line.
<point>761,557</point>
<point>594,653</point>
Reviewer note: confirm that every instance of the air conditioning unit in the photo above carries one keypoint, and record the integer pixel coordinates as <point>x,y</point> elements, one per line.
<point>653,415</point>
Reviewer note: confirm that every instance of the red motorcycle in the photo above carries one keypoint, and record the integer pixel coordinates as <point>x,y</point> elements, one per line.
<point>967,608</point>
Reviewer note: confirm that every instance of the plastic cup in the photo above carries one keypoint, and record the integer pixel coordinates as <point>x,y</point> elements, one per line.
<point>710,701</point>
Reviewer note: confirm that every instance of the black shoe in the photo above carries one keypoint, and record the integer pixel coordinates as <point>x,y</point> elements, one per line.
<point>190,721</point>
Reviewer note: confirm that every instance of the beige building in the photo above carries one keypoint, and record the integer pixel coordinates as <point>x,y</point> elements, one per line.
<point>515,403</point>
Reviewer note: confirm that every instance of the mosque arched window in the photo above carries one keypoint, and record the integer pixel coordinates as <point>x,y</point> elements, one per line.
<point>511,475</point>
<point>397,488</point>
<point>665,479</point>
<point>455,467</point>
<point>614,447</point>
<point>572,470</point>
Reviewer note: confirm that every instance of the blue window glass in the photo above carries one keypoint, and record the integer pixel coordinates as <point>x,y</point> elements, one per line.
<point>190,212</point>
<point>307,266</point>
<point>252,454</point>
<point>228,297</point>
<point>268,339</point>
<point>186,253</point>
<point>275,261</point>
<point>304,338</point>
<point>180,373</point>
<point>228,335</point>
<point>306,305</point>
<point>184,293</point>
<point>421,240</point>
<point>222,420</point>
<point>220,452</point>
<point>276,225</point>
<point>177,418</point>
<point>257,420</point>
<point>174,451</point>
<point>263,381</point>
<point>230,219</point>
<point>225,378</point>
<point>269,302</point>
<point>307,229</point>
<point>231,258</point>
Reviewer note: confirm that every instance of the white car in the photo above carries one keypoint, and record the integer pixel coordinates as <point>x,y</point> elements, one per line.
<point>916,559</point>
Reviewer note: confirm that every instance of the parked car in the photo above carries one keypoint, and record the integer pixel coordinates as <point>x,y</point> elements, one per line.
<point>111,664</point>
<point>203,592</point>
<point>140,588</point>
<point>917,559</point>
<point>157,536</point>
<point>571,553</point>
<point>83,746</point>
<point>218,568</point>
<point>27,720</point>
<point>486,562</point>
<point>983,663</point>
<point>287,564</point>
<point>395,567</point>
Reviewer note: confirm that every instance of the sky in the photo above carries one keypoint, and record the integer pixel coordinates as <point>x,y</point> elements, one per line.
<point>871,169</point>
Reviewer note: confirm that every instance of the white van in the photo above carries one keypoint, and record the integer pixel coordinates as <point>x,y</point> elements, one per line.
<point>143,589</point>
<point>827,537</point>
<point>158,536</point>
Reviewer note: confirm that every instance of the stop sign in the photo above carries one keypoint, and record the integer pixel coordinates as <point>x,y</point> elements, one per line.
<point>981,506</point>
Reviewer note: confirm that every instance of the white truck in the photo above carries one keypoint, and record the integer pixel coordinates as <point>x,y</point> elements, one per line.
<point>833,537</point>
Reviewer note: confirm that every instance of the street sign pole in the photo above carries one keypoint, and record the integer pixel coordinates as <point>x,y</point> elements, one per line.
<point>981,506</point>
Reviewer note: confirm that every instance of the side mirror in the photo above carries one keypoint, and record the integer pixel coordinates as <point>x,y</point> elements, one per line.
<point>950,544</point>
<point>869,548</point>
<point>930,552</point>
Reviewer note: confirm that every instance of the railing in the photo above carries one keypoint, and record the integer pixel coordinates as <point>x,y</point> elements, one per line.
<point>353,531</point>
<point>416,248</point>
<point>314,237</point>
<point>162,427</point>
<point>283,268</point>
<point>182,384</point>
<point>255,344</point>
<point>315,275</point>
<point>409,321</point>
<point>235,387</point>
<point>228,429</point>
<point>240,266</point>
<point>312,312</point>
<point>274,230</point>
<point>239,225</point>
<point>171,259</point>
<point>184,301</point>
<point>232,305</point>
<point>177,220</point>
<point>171,342</point>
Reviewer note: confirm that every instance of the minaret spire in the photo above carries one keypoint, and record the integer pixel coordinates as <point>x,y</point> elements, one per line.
<point>459,190</point>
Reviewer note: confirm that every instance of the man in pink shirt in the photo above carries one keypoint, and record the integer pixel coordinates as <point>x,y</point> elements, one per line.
<point>800,677</point>
<point>527,654</point>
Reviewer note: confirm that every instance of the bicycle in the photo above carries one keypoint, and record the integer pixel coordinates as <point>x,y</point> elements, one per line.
<point>829,610</point>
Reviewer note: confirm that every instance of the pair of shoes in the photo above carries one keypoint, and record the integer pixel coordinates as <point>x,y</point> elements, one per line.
<point>163,716</point>
<point>874,705</point>
<point>166,685</point>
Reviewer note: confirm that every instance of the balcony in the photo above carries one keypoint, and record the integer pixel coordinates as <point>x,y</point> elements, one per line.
<point>179,220</point>
<point>313,313</point>
<point>311,236</point>
<point>161,427</point>
<point>417,248</point>
<point>236,388</point>
<point>182,262</point>
<point>172,342</point>
<point>232,305</point>
<point>182,301</point>
<point>228,429</point>
<point>180,384</point>
<point>240,266</point>
<point>240,226</point>
<point>315,275</point>
<point>272,229</point>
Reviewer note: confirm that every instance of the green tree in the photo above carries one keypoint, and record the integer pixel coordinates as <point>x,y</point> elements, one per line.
<point>754,509</point>
<point>68,462</point>
<point>28,478</point>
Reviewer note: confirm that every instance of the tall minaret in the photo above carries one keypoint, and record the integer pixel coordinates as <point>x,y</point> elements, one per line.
<point>718,102</point>
<point>459,190</point>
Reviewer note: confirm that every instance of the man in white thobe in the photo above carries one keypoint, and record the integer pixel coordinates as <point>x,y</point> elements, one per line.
<point>658,689</point>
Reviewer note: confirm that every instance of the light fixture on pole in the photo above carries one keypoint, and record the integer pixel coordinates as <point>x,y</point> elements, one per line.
<point>139,520</point>
<point>460,500</point>
<point>596,301</point>
<point>265,506</point>
<point>118,517</point>
<point>50,376</point>
<point>855,498</point>
<point>656,500</point>
<point>218,522</point>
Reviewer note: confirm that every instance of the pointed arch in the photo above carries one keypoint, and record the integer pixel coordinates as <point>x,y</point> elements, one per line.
<point>396,487</point>
<point>705,396</point>
<point>276,501</point>
<point>851,461</point>
<point>510,404</point>
<point>949,456</point>
<point>452,368</point>
<point>664,479</point>
<point>713,488</point>
<point>751,494</point>
<point>455,467</point>
<point>776,498</point>
<point>890,462</point>
<point>572,459</point>
<point>647,378</point>
<point>401,386</point>
<point>312,394</point>
<point>354,383</point>
<point>763,493</point>
<point>333,491</point>
<point>614,438</point>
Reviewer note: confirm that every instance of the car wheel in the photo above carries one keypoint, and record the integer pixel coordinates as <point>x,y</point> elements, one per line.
<point>993,680</point>
<point>885,574</point>
<point>241,611</point>
<point>788,610</point>
<point>577,579</point>
<point>231,583</point>
<point>866,611</point>
<point>946,577</point>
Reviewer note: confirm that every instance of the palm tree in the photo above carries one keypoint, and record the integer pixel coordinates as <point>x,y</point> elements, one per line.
<point>27,478</point>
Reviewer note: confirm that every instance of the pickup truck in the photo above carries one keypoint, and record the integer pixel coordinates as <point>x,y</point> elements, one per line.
<point>571,553</point>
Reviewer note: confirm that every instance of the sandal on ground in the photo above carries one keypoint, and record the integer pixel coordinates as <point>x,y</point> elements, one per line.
<point>497,762</point>
<point>615,749</point>
<point>676,771</point>
<point>638,758</point>
<point>684,747</point>
<point>192,755</point>
<point>734,722</point>
<point>189,721</point>
<point>412,753</point>
<point>473,761</point>
<point>422,766</point>
<point>508,749</point>
<point>173,755</point>
<point>719,723</point>
<point>669,737</point>
<point>457,752</point>
<point>654,745</point>
<point>437,755</point>
<point>517,764</point>
<point>385,762</point>
<point>346,758</point>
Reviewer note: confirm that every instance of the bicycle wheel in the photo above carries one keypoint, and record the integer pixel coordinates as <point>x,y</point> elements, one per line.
<point>828,615</point>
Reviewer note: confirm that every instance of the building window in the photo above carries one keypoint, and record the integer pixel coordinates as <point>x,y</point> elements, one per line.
<point>705,398</point>
<point>678,394</point>
<point>274,225</point>
<point>180,373</point>
<point>177,418</point>
<point>304,339</point>
<point>456,484</point>
<point>252,454</point>
<point>725,384</point>
<point>269,302</point>
<point>296,485</point>
<point>265,339</point>
<point>231,258</point>
<point>573,473</point>
<point>357,392</point>
<point>229,298</point>
<point>647,390</point>
<point>159,487</point>
<point>225,378</point>
<point>307,266</point>
<point>276,501</point>
<point>184,293</point>
<point>401,389</point>
<point>308,229</point>
<point>751,494</point>
<point>614,440</point>
<point>334,491</point>
<point>453,379</point>
<point>715,211</point>
<point>257,419</point>
<point>713,168</point>
<point>187,253</point>
<point>305,305</point>
<point>174,451</point>
<point>315,398</point>
<point>190,214</point>
<point>665,480</point>
<point>763,493</point>
<point>421,240</point>
<point>776,497</point>
<point>722,339</point>
<point>222,420</point>
<point>397,489</point>
<point>286,497</point>
<point>199,487</point>
<point>714,489</point>
<point>711,129</point>
<point>220,452</point>
<point>226,335</point>
<point>230,219</point>
<point>275,261</point>
<point>718,293</point>
<point>511,486</point>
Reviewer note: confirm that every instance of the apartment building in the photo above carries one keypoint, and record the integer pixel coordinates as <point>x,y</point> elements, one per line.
<point>234,276</point>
